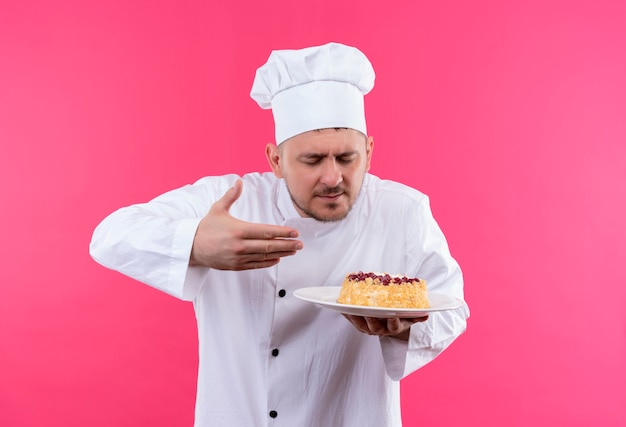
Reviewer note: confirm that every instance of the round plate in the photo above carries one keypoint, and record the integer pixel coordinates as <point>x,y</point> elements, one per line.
<point>326,296</point>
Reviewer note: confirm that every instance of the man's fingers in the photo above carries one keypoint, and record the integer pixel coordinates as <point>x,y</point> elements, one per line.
<point>224,242</point>
<point>395,325</point>
<point>252,230</point>
<point>267,232</point>
<point>261,251</point>
<point>375,325</point>
<point>383,326</point>
<point>358,322</point>
<point>275,246</point>
<point>261,257</point>
<point>253,265</point>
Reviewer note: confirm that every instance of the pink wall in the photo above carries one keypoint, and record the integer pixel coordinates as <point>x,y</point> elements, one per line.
<point>510,115</point>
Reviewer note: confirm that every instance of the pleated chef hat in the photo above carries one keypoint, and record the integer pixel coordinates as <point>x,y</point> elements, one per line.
<point>314,88</point>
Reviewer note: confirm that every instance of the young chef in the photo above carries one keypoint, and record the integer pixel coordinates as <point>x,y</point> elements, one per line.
<point>239,246</point>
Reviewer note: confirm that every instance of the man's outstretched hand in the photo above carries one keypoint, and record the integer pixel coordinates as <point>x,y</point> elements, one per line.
<point>226,243</point>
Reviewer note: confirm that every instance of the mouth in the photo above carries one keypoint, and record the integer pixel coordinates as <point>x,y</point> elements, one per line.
<point>332,196</point>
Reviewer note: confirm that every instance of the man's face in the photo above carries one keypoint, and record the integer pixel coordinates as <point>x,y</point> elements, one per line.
<point>323,170</point>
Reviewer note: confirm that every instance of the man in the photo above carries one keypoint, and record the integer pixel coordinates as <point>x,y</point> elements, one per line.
<point>239,246</point>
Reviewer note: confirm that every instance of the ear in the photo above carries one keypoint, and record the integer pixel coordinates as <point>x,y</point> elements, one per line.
<point>369,149</point>
<point>272,153</point>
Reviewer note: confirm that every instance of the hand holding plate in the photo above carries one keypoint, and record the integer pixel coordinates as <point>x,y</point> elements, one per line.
<point>384,327</point>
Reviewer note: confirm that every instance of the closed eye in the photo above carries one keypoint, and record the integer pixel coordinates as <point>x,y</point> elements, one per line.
<point>315,159</point>
<point>347,158</point>
<point>312,160</point>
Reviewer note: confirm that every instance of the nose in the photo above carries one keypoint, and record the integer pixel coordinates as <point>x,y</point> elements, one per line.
<point>331,173</point>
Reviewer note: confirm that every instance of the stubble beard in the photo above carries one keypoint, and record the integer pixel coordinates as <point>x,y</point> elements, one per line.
<point>330,206</point>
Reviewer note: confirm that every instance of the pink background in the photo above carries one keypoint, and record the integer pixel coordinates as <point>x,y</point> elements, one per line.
<point>511,115</point>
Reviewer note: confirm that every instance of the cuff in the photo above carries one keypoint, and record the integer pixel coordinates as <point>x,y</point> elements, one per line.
<point>184,281</point>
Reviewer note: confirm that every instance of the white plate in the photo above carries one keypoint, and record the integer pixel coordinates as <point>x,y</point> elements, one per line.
<point>326,296</point>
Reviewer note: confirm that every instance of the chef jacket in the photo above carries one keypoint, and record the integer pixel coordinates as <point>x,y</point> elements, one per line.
<point>267,358</point>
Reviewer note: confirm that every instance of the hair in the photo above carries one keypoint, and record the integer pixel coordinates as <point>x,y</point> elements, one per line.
<point>337,129</point>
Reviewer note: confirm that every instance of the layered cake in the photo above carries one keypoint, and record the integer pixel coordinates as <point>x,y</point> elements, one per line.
<point>383,290</point>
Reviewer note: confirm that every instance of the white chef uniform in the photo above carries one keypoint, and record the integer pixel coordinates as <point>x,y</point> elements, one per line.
<point>267,358</point>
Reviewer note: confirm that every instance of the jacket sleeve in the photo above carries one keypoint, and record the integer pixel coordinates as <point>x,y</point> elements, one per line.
<point>429,257</point>
<point>151,242</point>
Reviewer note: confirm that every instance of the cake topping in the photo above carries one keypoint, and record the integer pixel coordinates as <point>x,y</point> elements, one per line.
<point>384,279</point>
<point>383,290</point>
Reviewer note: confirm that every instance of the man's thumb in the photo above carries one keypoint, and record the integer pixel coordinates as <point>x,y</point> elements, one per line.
<point>231,195</point>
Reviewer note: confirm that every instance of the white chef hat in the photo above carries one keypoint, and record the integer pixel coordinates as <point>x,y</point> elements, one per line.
<point>314,88</point>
